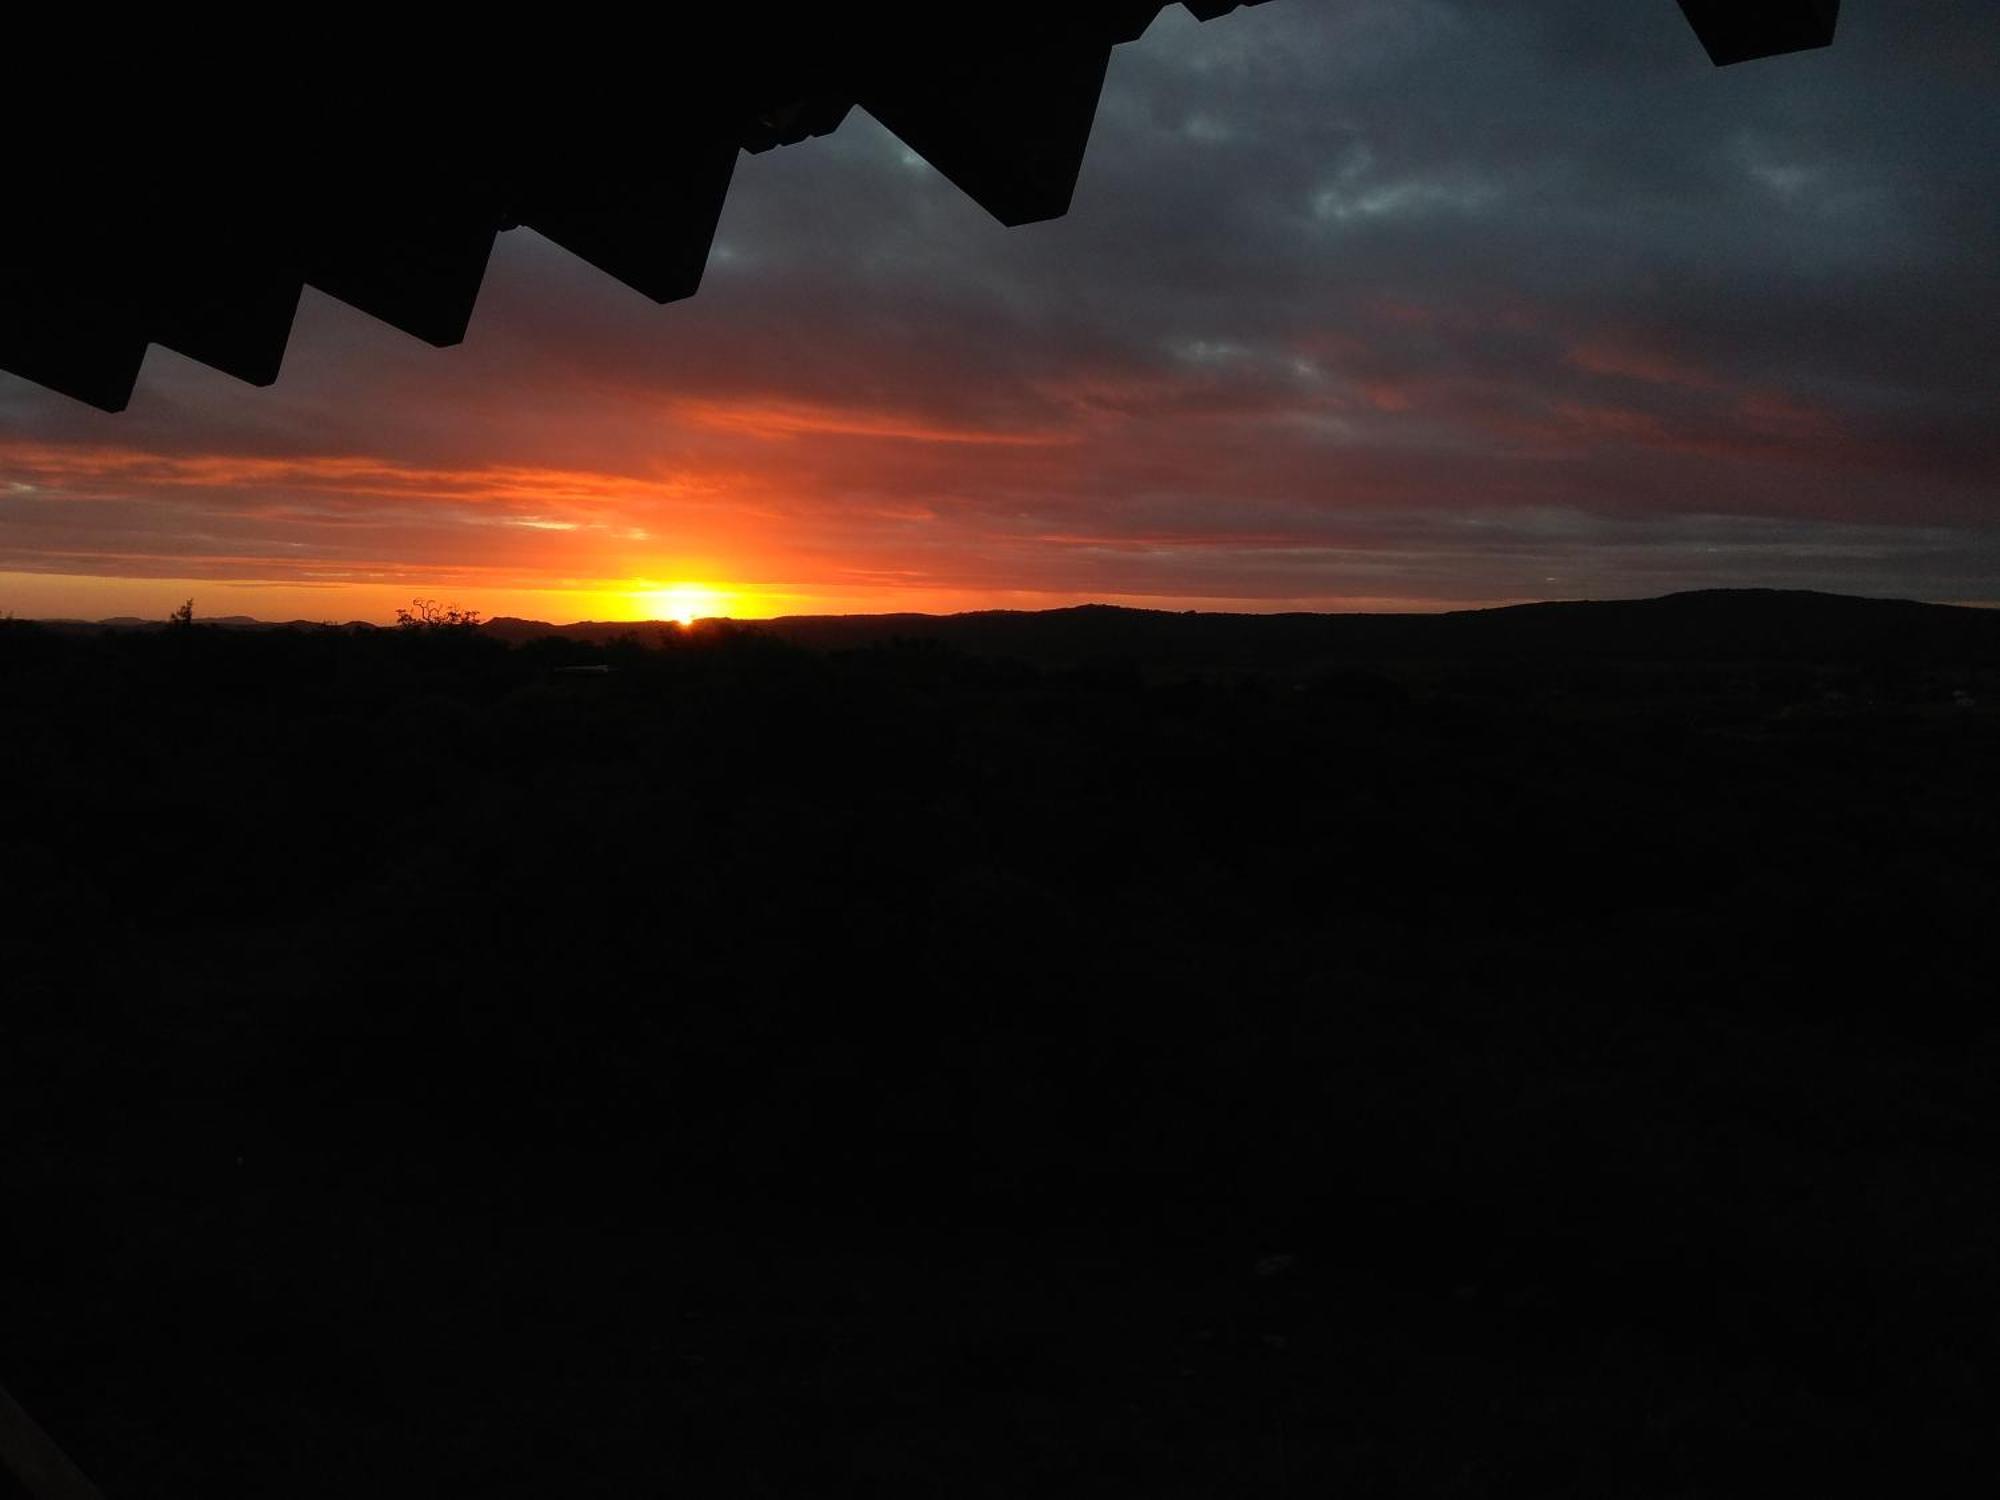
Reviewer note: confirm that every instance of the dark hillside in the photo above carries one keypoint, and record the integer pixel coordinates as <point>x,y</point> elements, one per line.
<point>1540,1052</point>
<point>1720,625</point>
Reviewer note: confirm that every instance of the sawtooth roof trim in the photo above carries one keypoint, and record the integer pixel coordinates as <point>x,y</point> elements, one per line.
<point>194,188</point>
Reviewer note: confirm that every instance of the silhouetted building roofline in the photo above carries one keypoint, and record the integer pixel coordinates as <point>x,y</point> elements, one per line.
<point>179,182</point>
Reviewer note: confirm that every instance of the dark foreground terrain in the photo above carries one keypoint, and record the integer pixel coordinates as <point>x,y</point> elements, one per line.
<point>1541,1053</point>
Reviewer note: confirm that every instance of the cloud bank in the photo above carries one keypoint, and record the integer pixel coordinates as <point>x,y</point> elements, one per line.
<point>1413,304</point>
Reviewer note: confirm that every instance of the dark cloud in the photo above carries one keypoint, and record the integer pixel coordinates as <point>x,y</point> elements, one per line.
<point>1366,301</point>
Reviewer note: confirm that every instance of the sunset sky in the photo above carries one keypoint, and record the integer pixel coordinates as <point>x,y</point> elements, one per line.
<point>1359,306</point>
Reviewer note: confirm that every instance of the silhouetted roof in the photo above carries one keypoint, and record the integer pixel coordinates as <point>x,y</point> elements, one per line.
<point>179,181</point>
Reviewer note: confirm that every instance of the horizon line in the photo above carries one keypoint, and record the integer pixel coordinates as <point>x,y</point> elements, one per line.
<point>1480,607</point>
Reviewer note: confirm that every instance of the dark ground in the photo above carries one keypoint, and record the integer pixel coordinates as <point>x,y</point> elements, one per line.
<point>1550,1053</point>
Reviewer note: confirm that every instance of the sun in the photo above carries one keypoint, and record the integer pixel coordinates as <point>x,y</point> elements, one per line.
<point>683,602</point>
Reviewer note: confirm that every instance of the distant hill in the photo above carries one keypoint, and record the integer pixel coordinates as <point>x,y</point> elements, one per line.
<point>1706,625</point>
<point>230,622</point>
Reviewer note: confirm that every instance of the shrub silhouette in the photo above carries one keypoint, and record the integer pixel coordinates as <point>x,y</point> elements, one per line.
<point>428,614</point>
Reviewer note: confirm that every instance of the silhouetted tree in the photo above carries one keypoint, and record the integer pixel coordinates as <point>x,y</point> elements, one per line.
<point>428,614</point>
<point>184,615</point>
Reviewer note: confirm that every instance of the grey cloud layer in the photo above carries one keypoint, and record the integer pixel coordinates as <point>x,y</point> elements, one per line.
<point>1393,299</point>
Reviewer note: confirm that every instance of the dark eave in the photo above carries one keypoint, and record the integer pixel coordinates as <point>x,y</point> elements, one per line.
<point>180,186</point>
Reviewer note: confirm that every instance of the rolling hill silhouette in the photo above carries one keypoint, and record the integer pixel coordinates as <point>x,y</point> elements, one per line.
<point>1709,624</point>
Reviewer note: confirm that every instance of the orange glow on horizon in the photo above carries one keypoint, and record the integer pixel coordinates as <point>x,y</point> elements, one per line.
<point>151,597</point>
